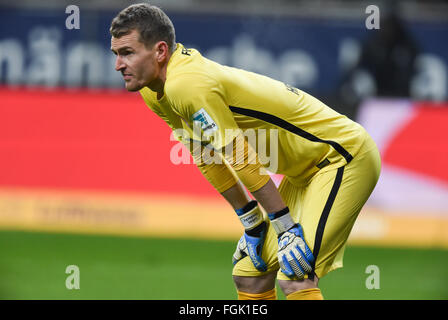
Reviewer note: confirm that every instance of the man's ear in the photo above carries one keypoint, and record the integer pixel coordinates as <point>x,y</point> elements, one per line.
<point>162,51</point>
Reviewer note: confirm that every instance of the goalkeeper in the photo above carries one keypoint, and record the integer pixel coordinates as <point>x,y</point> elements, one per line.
<point>295,234</point>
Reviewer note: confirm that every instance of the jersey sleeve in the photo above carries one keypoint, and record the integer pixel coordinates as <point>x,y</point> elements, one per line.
<point>243,159</point>
<point>200,101</point>
<point>218,173</point>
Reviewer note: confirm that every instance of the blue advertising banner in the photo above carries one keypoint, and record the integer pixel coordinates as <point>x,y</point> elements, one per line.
<point>36,48</point>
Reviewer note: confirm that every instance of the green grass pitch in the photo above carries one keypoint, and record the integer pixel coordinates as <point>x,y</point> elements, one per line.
<point>33,265</point>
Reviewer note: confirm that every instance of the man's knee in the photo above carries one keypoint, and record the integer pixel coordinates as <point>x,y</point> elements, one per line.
<point>259,284</point>
<point>291,286</point>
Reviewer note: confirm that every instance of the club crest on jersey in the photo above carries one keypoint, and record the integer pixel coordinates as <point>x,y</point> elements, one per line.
<point>207,124</point>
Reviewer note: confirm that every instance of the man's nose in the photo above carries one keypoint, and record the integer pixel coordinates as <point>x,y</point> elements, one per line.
<point>119,63</point>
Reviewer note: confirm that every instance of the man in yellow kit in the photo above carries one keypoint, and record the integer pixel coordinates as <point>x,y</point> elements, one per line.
<point>330,164</point>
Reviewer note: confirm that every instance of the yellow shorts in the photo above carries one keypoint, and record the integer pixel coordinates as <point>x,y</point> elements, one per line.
<point>327,208</point>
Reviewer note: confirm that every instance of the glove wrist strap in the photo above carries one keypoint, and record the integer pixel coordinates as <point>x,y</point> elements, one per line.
<point>250,215</point>
<point>281,221</point>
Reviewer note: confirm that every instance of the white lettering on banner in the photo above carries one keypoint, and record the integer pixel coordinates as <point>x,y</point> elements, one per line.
<point>294,66</point>
<point>349,54</point>
<point>85,57</point>
<point>431,81</point>
<point>45,65</point>
<point>12,58</point>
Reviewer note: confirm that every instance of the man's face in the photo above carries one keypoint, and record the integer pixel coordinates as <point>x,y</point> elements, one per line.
<point>137,64</point>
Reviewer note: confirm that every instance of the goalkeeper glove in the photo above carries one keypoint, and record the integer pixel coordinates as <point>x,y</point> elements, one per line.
<point>251,243</point>
<point>294,255</point>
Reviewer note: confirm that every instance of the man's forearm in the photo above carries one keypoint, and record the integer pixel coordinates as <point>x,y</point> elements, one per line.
<point>236,196</point>
<point>268,196</point>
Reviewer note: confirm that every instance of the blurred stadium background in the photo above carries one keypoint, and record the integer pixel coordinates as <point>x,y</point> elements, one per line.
<point>85,171</point>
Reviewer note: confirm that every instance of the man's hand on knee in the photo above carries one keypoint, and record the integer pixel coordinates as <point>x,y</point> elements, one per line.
<point>252,241</point>
<point>294,255</point>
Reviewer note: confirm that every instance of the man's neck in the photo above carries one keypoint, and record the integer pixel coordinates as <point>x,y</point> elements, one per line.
<point>158,84</point>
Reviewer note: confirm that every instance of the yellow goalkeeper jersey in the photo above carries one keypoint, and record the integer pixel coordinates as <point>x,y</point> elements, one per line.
<point>308,135</point>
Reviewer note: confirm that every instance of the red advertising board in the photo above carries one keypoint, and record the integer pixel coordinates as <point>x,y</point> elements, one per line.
<point>89,140</point>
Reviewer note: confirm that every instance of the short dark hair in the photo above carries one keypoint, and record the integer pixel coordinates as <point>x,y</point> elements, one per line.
<point>150,21</point>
